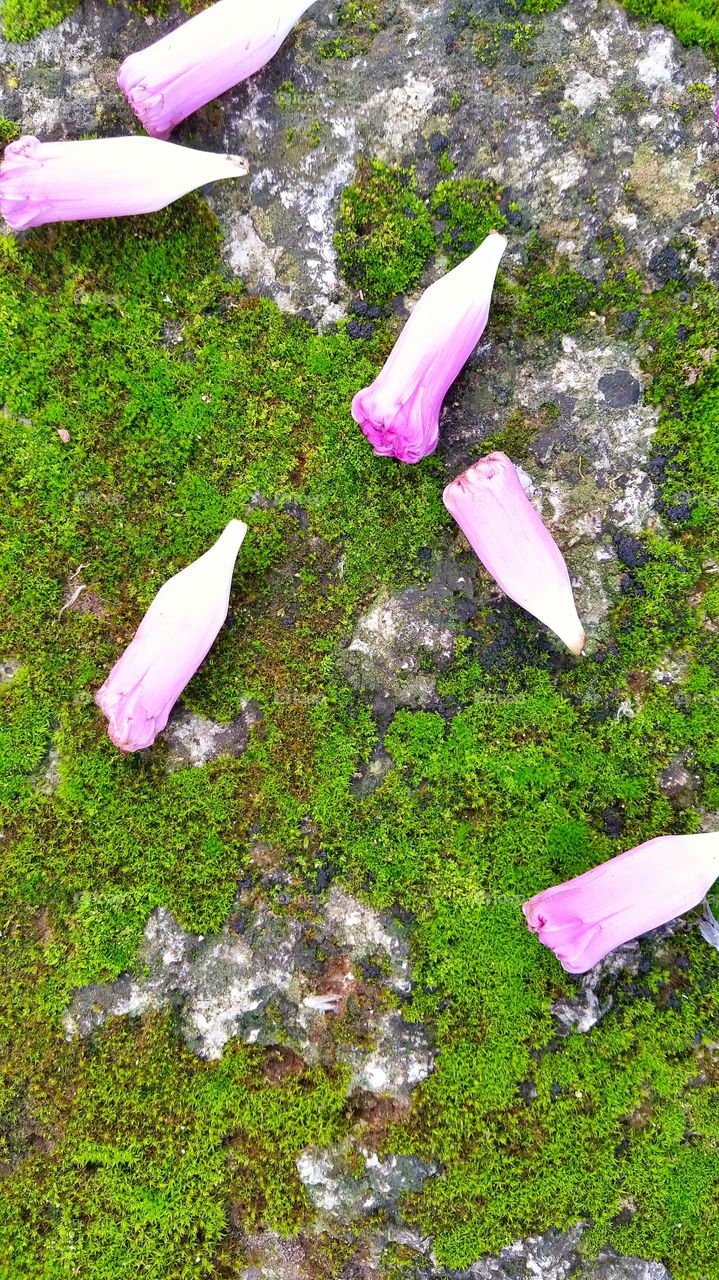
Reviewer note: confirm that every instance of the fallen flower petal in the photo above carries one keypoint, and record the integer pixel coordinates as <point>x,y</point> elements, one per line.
<point>203,58</point>
<point>174,637</point>
<point>399,411</point>
<point>44,182</point>
<point>495,514</point>
<point>587,917</point>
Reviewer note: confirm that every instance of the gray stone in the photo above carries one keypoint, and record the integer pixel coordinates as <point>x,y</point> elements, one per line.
<point>261,982</point>
<point>8,670</point>
<point>552,1256</point>
<point>193,740</point>
<point>48,777</point>
<point>597,989</point>
<point>338,1192</point>
<point>709,926</point>
<point>403,640</point>
<point>678,783</point>
<point>620,389</point>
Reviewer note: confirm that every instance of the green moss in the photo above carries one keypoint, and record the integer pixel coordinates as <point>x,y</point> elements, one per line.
<point>468,209</point>
<point>9,131</point>
<point>488,37</point>
<point>551,302</point>
<point>536,6</point>
<point>518,432</point>
<point>384,236</point>
<point>471,820</point>
<point>138,1140</point>
<point>289,98</point>
<point>692,21</point>
<point>358,21</point>
<point>23,19</point>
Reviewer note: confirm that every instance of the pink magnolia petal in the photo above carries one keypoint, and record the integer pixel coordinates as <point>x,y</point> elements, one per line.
<point>514,545</point>
<point>584,919</point>
<point>399,411</point>
<point>174,637</point>
<point>43,182</point>
<point>203,58</point>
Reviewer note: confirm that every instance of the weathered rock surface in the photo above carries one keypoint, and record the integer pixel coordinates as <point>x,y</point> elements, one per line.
<point>402,641</point>
<point>193,740</point>
<point>337,1193</point>
<point>261,980</point>
<point>552,1256</point>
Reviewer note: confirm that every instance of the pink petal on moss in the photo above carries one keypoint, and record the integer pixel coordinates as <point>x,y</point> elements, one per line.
<point>174,637</point>
<point>584,919</point>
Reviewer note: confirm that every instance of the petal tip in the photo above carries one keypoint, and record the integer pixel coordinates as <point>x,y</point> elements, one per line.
<point>577,642</point>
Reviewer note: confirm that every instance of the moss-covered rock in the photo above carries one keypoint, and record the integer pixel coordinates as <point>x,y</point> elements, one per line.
<point>449,764</point>
<point>384,236</point>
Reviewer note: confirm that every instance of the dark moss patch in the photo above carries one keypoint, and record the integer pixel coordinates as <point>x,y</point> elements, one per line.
<point>467,209</point>
<point>384,236</point>
<point>358,22</point>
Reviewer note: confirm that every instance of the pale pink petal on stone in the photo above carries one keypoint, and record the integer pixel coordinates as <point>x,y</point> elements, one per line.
<point>203,58</point>
<point>399,411</point>
<point>514,545</point>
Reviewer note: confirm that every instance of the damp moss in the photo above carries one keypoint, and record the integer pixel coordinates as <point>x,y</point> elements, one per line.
<point>23,19</point>
<point>468,209</point>
<point>358,22</point>
<point>384,236</point>
<point>9,131</point>
<point>135,1175</point>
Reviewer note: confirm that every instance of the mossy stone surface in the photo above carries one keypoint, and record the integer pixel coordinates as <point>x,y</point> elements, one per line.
<point>159,376</point>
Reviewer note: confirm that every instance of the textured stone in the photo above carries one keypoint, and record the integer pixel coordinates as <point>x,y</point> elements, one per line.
<point>400,643</point>
<point>259,980</point>
<point>597,990</point>
<point>191,739</point>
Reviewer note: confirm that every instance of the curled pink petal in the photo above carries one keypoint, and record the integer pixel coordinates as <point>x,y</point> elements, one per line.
<point>587,917</point>
<point>174,637</point>
<point>399,412</point>
<point>496,516</point>
<point>44,182</point>
<point>203,58</point>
